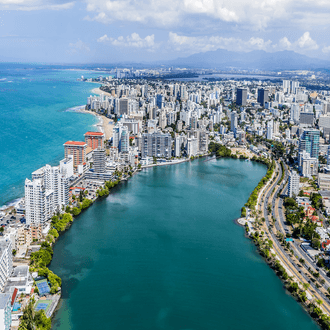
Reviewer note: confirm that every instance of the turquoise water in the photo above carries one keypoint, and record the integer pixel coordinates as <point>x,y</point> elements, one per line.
<point>162,252</point>
<point>34,123</point>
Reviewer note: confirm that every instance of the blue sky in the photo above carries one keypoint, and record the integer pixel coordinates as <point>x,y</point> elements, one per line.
<point>105,31</point>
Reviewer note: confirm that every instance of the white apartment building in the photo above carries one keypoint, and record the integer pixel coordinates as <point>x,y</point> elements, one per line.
<point>192,147</point>
<point>6,261</point>
<point>293,184</point>
<point>308,166</point>
<point>46,193</point>
<point>5,311</point>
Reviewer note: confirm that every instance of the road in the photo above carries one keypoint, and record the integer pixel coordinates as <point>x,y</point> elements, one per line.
<point>291,263</point>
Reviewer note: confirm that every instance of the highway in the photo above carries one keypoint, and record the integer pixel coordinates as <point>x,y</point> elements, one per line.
<point>289,262</point>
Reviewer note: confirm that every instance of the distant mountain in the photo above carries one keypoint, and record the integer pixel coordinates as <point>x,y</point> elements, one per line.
<point>258,59</point>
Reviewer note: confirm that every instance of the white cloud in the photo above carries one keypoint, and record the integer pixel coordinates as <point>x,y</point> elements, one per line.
<point>192,45</point>
<point>284,44</point>
<point>133,40</point>
<point>326,50</point>
<point>29,5</point>
<point>257,14</point>
<point>304,44</point>
<point>78,47</point>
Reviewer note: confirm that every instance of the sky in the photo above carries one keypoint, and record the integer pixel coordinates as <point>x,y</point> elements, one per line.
<point>106,31</point>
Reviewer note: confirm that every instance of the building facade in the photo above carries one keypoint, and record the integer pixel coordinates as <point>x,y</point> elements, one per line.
<point>78,150</point>
<point>94,140</point>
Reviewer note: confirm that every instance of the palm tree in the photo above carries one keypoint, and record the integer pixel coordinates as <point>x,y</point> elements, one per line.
<point>306,285</point>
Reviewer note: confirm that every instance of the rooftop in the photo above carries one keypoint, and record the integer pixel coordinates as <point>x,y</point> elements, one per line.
<point>4,297</point>
<point>94,133</point>
<point>74,143</point>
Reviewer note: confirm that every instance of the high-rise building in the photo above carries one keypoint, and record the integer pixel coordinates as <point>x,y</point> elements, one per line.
<point>306,118</point>
<point>192,147</point>
<point>293,185</point>
<point>66,167</point>
<point>233,121</point>
<point>177,146</point>
<point>241,98</point>
<point>286,86</point>
<point>156,145</point>
<point>46,193</point>
<point>94,140</point>
<point>269,130</point>
<point>5,311</point>
<point>160,101</point>
<point>6,261</point>
<point>123,106</point>
<point>294,86</point>
<point>77,149</point>
<point>99,160</point>
<point>121,137</point>
<point>262,96</point>
<point>310,141</point>
<point>308,166</point>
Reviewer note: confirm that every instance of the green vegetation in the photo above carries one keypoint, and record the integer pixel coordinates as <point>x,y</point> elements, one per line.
<point>32,320</point>
<point>40,260</point>
<point>296,216</point>
<point>219,149</point>
<point>278,149</point>
<point>283,172</point>
<point>61,222</point>
<point>243,212</point>
<point>252,201</point>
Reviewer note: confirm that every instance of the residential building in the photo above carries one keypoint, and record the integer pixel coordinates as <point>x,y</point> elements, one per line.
<point>156,145</point>
<point>241,97</point>
<point>6,261</point>
<point>306,118</point>
<point>308,166</point>
<point>310,141</point>
<point>5,311</point>
<point>192,147</point>
<point>78,150</point>
<point>293,184</point>
<point>121,137</point>
<point>99,160</point>
<point>323,181</point>
<point>233,121</point>
<point>94,140</point>
<point>262,96</point>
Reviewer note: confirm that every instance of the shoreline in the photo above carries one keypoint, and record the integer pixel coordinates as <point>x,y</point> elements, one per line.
<point>104,124</point>
<point>98,91</point>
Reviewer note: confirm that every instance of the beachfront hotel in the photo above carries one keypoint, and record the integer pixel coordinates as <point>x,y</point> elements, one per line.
<point>94,140</point>
<point>78,150</point>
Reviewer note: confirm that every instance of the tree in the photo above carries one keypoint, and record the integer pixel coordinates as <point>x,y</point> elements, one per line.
<point>316,243</point>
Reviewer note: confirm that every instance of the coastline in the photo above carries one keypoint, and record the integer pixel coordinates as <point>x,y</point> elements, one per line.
<point>104,125</point>
<point>99,91</point>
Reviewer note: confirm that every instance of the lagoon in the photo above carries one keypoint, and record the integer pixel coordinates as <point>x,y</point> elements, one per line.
<point>162,251</point>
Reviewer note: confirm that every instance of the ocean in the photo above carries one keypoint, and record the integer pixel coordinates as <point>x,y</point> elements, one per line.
<point>34,121</point>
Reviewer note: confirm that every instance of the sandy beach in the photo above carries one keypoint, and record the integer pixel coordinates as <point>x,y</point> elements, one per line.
<point>99,91</point>
<point>104,125</point>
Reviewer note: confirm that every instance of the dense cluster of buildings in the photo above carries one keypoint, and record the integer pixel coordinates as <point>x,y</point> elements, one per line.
<point>161,121</point>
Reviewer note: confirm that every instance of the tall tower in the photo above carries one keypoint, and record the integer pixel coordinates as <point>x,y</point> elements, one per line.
<point>310,142</point>
<point>241,97</point>
<point>262,96</point>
